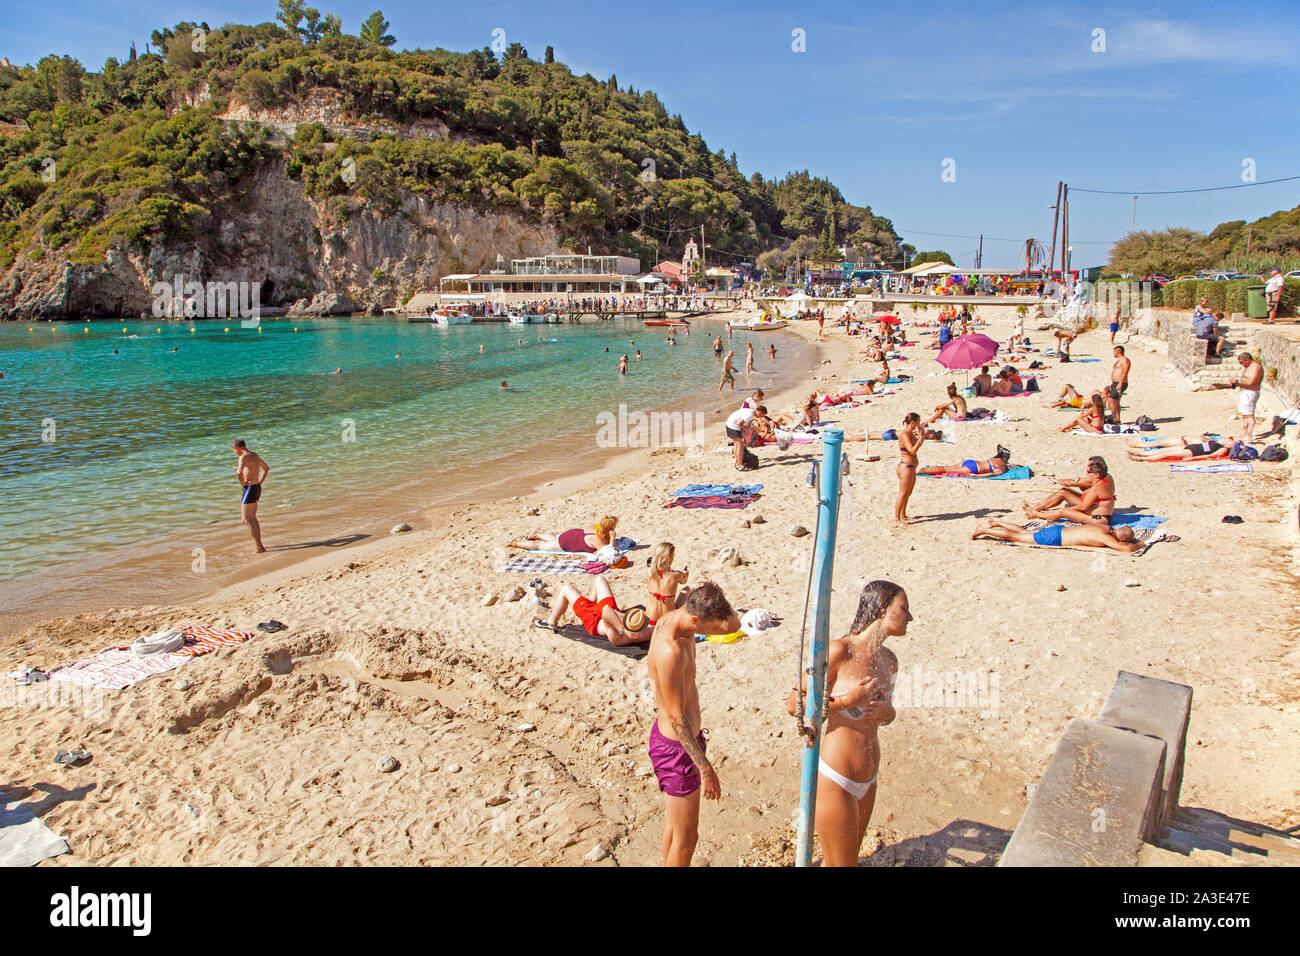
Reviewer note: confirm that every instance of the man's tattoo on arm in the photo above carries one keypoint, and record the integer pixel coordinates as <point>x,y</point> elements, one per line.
<point>688,738</point>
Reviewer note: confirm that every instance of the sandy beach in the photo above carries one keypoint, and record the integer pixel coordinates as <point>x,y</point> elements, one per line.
<point>519,746</point>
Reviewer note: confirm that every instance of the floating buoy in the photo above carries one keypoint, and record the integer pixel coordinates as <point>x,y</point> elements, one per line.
<point>259,330</point>
<point>159,329</point>
<point>87,328</point>
<point>227,328</point>
<point>191,330</point>
<point>124,328</point>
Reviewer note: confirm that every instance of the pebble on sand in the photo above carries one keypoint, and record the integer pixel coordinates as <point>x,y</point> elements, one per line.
<point>387,764</point>
<point>798,531</point>
<point>1132,583</point>
<point>525,728</point>
<point>496,801</point>
<point>401,528</point>
<point>183,684</point>
<point>489,600</point>
<point>453,768</point>
<point>596,853</point>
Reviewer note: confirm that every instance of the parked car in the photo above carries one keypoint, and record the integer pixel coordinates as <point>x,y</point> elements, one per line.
<point>1293,274</point>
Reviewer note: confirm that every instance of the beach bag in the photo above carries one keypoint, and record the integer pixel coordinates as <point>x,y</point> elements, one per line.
<point>1274,453</point>
<point>750,460</point>
<point>1241,452</point>
<point>1145,424</point>
<point>1031,385</point>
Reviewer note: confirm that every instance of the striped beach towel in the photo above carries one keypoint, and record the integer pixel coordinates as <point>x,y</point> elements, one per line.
<point>542,564</point>
<point>115,668</point>
<point>200,640</point>
<point>1217,468</point>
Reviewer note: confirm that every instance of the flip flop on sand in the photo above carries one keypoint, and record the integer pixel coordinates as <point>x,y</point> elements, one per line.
<point>272,626</point>
<point>70,757</point>
<point>547,625</point>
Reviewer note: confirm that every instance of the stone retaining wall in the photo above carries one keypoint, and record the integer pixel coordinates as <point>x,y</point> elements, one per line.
<point>1276,351</point>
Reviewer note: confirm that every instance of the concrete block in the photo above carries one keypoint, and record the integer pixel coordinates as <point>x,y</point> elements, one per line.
<point>1154,708</point>
<point>1094,803</point>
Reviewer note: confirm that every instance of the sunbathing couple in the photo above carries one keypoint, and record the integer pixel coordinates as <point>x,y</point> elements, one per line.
<point>1007,383</point>
<point>1089,500</point>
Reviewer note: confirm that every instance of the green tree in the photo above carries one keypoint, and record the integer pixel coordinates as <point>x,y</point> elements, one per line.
<point>374,31</point>
<point>290,16</point>
<point>937,255</point>
<point>550,55</point>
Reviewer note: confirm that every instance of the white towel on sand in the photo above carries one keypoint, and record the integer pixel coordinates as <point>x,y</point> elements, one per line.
<point>24,839</point>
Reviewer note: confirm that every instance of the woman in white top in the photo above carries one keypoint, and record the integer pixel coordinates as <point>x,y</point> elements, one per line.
<point>860,673</point>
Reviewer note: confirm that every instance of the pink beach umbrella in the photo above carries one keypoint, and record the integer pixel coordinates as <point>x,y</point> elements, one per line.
<point>967,351</point>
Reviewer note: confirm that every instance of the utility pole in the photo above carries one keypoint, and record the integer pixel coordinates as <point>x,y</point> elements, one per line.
<point>1056,215</point>
<point>979,253</point>
<point>1132,226</point>
<point>1065,228</point>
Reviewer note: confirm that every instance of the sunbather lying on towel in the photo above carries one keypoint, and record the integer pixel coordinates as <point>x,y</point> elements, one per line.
<point>891,434</point>
<point>1058,536</point>
<point>1206,450</point>
<point>842,398</point>
<point>997,465</point>
<point>601,617</point>
<point>1087,500</point>
<point>574,541</point>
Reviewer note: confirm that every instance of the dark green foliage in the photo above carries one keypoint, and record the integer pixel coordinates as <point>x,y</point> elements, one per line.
<point>521,135</point>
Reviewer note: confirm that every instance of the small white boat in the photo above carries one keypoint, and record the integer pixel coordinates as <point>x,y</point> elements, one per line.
<point>525,318</point>
<point>762,323</point>
<point>446,317</point>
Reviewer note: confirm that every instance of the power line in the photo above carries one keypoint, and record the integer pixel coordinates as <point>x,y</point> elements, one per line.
<point>988,238</point>
<point>1172,192</point>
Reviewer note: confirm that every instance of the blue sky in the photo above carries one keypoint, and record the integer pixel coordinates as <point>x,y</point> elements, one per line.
<point>1015,95</point>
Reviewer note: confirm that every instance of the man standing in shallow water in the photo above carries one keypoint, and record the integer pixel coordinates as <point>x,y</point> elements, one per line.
<point>251,472</point>
<point>678,753</point>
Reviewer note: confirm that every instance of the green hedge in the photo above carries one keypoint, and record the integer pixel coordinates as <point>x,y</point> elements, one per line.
<point>1226,296</point>
<point>1234,296</point>
<point>1180,295</point>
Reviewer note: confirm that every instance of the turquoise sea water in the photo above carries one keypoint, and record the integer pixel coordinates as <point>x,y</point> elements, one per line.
<point>140,439</point>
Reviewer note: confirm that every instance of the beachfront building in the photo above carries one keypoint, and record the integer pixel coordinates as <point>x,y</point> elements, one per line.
<point>562,274</point>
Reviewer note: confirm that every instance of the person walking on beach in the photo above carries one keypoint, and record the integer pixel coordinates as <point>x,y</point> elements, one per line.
<point>749,360</point>
<point>728,373</point>
<point>910,440</point>
<point>860,672</point>
<point>251,472</point>
<point>677,739</point>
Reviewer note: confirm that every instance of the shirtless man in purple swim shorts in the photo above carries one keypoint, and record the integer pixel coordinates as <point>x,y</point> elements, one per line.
<point>676,739</point>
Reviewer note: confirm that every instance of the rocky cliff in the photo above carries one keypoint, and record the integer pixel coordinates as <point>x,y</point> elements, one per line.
<point>274,237</point>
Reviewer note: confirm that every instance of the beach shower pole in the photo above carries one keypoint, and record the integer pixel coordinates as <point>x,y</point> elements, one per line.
<point>828,509</point>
